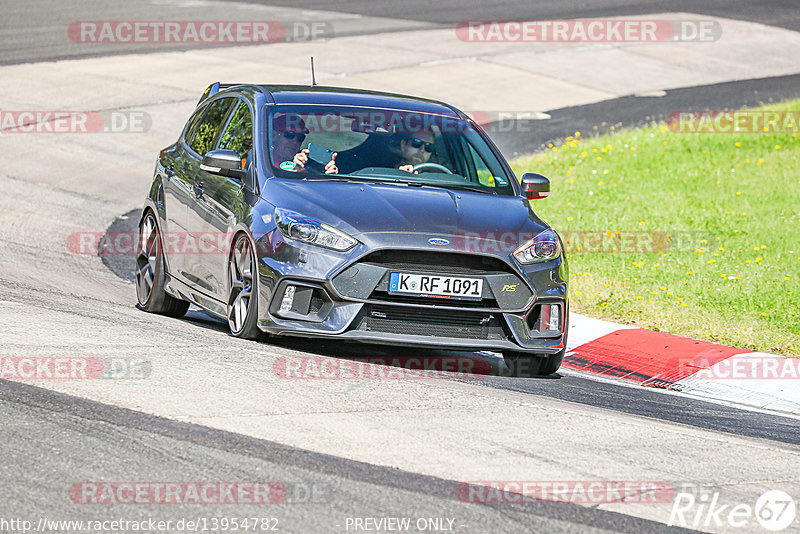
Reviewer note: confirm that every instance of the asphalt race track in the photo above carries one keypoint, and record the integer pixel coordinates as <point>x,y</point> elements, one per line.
<point>566,385</point>
<point>27,27</point>
<point>212,409</point>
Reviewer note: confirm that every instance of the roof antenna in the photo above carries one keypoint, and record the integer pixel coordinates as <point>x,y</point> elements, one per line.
<point>313,79</point>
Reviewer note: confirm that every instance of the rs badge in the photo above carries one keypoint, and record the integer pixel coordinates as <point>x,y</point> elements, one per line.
<point>509,288</point>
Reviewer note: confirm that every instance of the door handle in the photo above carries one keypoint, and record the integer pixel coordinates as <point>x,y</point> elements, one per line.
<point>198,189</point>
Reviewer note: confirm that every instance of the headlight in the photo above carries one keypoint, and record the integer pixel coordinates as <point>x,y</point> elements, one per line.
<point>307,230</point>
<point>543,247</point>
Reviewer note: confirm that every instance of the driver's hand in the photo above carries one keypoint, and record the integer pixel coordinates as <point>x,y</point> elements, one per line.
<point>301,158</point>
<point>408,168</point>
<point>331,167</point>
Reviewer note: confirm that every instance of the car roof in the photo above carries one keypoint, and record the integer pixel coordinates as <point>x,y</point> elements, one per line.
<point>342,96</point>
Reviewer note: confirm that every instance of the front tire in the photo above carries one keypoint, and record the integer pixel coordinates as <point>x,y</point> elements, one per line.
<point>151,273</point>
<point>242,290</point>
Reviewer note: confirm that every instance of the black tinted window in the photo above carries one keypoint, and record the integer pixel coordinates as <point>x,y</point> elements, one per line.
<point>191,124</point>
<point>383,144</point>
<point>208,129</point>
<point>238,136</point>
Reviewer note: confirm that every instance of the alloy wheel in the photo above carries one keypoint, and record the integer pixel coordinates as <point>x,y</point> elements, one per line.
<point>241,269</point>
<point>146,259</point>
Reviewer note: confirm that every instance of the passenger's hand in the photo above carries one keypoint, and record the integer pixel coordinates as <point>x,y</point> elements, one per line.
<point>331,167</point>
<point>408,168</point>
<point>301,158</point>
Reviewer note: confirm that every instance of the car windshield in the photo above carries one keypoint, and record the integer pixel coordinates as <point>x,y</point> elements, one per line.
<point>380,145</point>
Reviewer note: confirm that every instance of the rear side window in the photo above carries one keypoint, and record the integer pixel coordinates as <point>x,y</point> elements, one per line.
<point>191,124</point>
<point>238,136</point>
<point>208,130</point>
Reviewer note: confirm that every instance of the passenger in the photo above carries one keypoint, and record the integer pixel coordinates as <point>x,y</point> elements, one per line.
<point>288,134</point>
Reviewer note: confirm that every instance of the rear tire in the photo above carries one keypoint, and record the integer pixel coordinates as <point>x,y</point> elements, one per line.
<point>243,290</point>
<point>151,272</point>
<point>524,365</point>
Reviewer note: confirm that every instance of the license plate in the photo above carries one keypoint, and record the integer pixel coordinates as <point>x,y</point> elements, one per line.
<point>427,285</point>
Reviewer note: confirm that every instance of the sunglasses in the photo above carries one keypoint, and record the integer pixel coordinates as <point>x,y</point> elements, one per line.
<point>292,135</point>
<point>419,143</point>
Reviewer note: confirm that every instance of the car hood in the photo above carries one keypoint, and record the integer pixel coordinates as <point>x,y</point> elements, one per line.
<point>363,208</point>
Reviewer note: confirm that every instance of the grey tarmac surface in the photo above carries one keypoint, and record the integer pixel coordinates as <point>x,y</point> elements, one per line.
<point>97,442</point>
<point>566,385</point>
<point>782,13</point>
<point>35,30</point>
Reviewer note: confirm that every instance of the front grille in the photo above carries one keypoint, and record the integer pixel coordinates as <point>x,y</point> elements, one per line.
<point>368,279</point>
<point>429,322</point>
<point>438,262</point>
<point>485,303</point>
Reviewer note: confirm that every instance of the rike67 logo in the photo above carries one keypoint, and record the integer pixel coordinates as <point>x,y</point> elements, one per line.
<point>774,510</point>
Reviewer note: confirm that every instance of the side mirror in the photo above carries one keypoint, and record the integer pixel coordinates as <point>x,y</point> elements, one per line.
<point>535,186</point>
<point>225,163</point>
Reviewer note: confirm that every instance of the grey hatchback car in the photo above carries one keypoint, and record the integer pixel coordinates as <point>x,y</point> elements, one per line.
<point>326,212</point>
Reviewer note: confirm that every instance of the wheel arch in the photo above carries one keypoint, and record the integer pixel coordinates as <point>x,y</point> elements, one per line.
<point>152,207</point>
<point>155,197</point>
<point>238,230</point>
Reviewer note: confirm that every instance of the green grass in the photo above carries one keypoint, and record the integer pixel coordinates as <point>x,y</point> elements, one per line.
<point>730,269</point>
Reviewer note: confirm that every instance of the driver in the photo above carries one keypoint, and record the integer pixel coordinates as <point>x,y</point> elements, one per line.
<point>400,151</point>
<point>415,148</point>
<point>288,134</point>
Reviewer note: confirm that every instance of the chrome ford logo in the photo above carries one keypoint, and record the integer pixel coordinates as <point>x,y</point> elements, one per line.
<point>438,241</point>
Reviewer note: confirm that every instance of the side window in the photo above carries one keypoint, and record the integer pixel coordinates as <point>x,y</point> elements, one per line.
<point>208,129</point>
<point>238,136</point>
<point>191,124</point>
<point>485,176</point>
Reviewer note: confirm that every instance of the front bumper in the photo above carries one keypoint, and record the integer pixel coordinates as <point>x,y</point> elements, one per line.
<point>346,298</point>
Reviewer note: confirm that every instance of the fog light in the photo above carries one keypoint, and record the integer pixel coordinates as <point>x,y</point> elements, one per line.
<point>549,318</point>
<point>288,299</point>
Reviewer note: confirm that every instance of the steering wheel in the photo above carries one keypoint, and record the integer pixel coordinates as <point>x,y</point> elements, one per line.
<point>432,167</point>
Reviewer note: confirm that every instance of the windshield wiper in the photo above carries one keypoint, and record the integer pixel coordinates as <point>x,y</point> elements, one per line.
<point>353,179</point>
<point>464,187</point>
<point>375,180</point>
